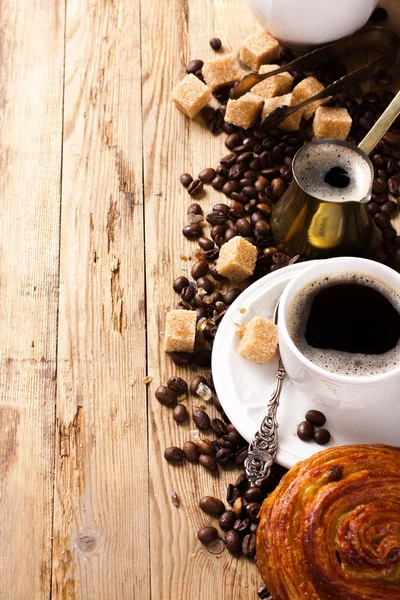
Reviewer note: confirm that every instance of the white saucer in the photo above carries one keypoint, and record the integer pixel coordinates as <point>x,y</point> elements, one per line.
<point>244,387</point>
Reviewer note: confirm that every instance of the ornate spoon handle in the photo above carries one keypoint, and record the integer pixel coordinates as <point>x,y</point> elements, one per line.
<point>263,448</point>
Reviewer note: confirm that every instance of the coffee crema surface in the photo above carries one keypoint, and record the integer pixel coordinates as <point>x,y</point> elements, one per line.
<point>347,324</point>
<point>333,173</point>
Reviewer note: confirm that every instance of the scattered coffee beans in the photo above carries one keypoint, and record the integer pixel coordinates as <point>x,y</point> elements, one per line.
<point>305,431</point>
<point>186,179</point>
<point>208,462</point>
<point>180,414</point>
<point>216,44</point>
<point>315,417</point>
<point>233,541</point>
<point>191,451</point>
<point>201,418</point>
<point>174,455</point>
<point>227,520</point>
<point>212,506</point>
<point>322,436</point>
<point>166,396</point>
<point>177,385</point>
<point>207,534</point>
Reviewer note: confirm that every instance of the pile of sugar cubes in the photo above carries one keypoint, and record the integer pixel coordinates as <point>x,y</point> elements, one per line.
<point>259,51</point>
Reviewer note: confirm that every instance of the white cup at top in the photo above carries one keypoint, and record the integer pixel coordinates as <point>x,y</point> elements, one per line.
<point>328,388</point>
<point>307,23</point>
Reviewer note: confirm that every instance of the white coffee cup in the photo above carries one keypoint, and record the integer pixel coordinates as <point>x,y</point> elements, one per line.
<point>328,388</point>
<point>307,23</point>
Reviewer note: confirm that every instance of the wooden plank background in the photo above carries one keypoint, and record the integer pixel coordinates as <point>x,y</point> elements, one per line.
<point>91,150</point>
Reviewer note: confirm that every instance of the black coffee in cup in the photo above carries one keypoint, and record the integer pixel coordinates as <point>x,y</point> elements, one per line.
<point>348,324</point>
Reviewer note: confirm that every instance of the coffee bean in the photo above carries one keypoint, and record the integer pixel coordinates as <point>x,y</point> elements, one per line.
<point>322,436</point>
<point>237,506</point>
<point>225,443</point>
<point>192,231</point>
<point>230,187</point>
<point>205,243</point>
<point>180,413</point>
<point>393,187</point>
<point>208,462</point>
<point>315,417</point>
<point>234,436</point>
<point>305,431</point>
<point>196,187</point>
<point>216,44</point>
<point>188,292</point>
<point>227,520</point>
<point>180,283</point>
<point>279,187</point>
<point>194,209</point>
<point>199,269</point>
<point>249,545</point>
<point>224,456</point>
<point>228,127</point>
<point>233,140</point>
<point>232,493</point>
<point>262,227</point>
<point>241,525</point>
<point>244,227</point>
<point>194,66</point>
<point>182,359</point>
<point>166,396</point>
<point>205,446</point>
<point>218,182</point>
<point>381,220</point>
<point>206,284</point>
<point>207,534</point>
<point>233,541</point>
<point>186,179</point>
<point>174,454</point>
<point>207,175</point>
<point>383,78</point>
<point>241,455</point>
<point>252,510</point>
<point>201,418</point>
<point>221,207</point>
<point>208,114</point>
<point>389,208</point>
<point>191,451</point>
<point>178,385</point>
<point>228,160</point>
<point>212,506</point>
<point>218,427</point>
<point>253,528</point>
<point>202,358</point>
<point>254,494</point>
<point>232,294</point>
<point>216,218</point>
<point>263,593</point>
<point>230,233</point>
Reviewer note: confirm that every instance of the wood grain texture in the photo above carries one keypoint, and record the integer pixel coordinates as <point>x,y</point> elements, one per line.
<point>180,566</point>
<point>101,508</point>
<point>31,82</point>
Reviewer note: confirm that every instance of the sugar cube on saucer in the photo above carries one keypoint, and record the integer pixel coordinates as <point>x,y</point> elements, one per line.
<point>191,95</point>
<point>304,90</point>
<point>258,48</point>
<point>244,111</point>
<point>331,122</point>
<point>222,71</point>
<point>259,340</point>
<point>276,85</point>
<point>237,259</point>
<point>291,123</point>
<point>180,331</point>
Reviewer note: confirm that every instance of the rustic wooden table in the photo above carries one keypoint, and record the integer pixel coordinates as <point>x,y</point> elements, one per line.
<point>92,210</point>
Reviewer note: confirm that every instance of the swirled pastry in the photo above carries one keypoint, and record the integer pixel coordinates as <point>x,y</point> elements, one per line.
<point>331,529</point>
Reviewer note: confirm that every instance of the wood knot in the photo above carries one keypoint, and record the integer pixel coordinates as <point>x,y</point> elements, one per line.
<point>88,542</point>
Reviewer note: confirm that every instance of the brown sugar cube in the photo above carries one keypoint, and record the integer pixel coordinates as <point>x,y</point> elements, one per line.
<point>222,71</point>
<point>244,111</point>
<point>304,90</point>
<point>259,340</point>
<point>180,331</point>
<point>237,259</point>
<point>258,48</point>
<point>330,122</point>
<point>191,95</point>
<point>277,85</point>
<point>291,123</point>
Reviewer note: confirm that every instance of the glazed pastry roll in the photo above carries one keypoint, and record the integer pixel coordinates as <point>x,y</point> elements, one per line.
<point>331,529</point>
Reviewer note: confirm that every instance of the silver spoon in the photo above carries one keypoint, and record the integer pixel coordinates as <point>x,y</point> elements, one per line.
<point>264,446</point>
